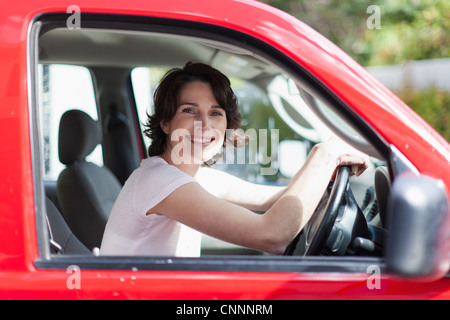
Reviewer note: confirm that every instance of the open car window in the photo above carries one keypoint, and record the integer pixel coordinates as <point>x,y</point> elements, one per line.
<point>124,61</point>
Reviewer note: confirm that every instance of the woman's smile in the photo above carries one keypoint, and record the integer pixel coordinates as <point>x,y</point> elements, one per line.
<point>202,141</point>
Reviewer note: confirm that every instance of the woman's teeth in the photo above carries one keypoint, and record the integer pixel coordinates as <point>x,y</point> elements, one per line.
<point>202,140</point>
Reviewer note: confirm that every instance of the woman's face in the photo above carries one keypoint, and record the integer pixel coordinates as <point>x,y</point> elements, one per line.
<point>197,130</point>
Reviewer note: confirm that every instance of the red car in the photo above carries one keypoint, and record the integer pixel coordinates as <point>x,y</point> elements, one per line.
<point>384,235</point>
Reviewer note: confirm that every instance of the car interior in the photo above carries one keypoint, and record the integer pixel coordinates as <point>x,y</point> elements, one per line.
<point>95,87</point>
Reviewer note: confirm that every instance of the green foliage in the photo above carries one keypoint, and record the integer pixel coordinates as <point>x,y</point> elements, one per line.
<point>433,105</point>
<point>409,30</point>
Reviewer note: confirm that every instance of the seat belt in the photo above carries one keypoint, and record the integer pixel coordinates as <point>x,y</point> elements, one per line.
<point>55,247</point>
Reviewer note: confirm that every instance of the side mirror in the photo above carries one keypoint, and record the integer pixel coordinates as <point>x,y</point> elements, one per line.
<point>419,228</point>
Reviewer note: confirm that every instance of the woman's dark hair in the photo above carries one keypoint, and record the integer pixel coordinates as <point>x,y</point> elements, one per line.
<point>166,99</point>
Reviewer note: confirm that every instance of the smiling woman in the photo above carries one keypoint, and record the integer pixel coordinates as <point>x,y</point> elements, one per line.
<point>161,208</point>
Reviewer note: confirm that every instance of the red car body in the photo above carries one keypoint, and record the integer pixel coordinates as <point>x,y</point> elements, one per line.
<point>395,123</point>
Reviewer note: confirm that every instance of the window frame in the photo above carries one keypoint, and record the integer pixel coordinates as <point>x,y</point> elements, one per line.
<point>46,22</point>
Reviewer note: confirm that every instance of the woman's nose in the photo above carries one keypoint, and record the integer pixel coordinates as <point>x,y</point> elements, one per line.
<point>201,126</point>
<point>205,123</point>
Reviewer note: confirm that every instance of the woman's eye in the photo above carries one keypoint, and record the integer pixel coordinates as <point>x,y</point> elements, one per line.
<point>187,110</point>
<point>217,114</point>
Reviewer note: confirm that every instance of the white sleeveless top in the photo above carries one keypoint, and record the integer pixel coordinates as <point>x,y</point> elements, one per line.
<point>130,231</point>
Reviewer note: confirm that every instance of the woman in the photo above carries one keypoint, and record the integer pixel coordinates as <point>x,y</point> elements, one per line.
<point>167,203</point>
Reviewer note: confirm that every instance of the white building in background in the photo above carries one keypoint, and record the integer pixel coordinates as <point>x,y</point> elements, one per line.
<point>417,74</point>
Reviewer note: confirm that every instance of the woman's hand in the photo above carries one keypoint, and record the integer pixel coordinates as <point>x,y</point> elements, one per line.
<point>338,153</point>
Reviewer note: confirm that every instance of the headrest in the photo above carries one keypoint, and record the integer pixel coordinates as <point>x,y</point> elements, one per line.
<point>79,134</point>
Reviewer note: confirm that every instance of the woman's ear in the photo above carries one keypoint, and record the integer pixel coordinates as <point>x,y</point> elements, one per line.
<point>164,126</point>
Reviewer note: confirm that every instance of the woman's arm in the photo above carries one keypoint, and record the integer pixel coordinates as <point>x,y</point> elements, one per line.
<point>273,231</point>
<point>255,197</point>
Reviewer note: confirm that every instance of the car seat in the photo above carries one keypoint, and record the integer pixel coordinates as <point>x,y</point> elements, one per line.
<point>86,191</point>
<point>62,240</point>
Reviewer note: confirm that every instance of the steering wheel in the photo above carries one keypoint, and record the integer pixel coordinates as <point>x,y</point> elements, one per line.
<point>318,229</point>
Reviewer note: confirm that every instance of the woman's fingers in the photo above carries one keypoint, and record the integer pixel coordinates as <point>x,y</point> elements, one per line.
<point>346,155</point>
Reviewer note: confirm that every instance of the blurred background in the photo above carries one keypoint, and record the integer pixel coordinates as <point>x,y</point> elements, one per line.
<point>403,43</point>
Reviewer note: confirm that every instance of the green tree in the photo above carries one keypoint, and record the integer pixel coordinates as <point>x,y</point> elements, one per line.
<point>433,105</point>
<point>409,30</point>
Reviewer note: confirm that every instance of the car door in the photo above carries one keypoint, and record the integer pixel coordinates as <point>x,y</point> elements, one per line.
<point>105,44</point>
